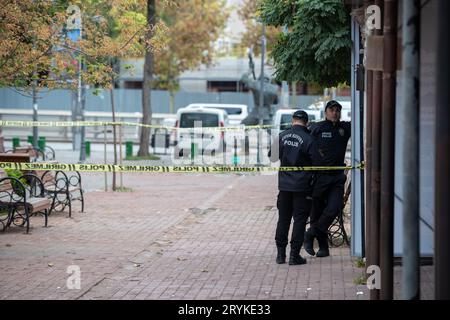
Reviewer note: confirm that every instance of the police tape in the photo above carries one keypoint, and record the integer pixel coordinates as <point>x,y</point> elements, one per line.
<point>85,167</point>
<point>18,123</point>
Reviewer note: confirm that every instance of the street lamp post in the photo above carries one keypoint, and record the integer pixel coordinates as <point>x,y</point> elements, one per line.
<point>284,83</point>
<point>81,105</point>
<point>74,27</point>
<point>35,115</point>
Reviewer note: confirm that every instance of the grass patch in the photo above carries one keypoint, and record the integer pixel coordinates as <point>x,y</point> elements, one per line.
<point>360,263</point>
<point>124,189</point>
<point>149,157</point>
<point>361,280</point>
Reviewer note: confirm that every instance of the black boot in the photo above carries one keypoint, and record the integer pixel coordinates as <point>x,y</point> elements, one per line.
<point>308,243</point>
<point>323,245</point>
<point>295,258</point>
<point>281,255</point>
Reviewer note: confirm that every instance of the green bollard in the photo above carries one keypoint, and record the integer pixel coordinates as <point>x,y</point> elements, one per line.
<point>41,143</point>
<point>16,142</point>
<point>88,148</point>
<point>128,149</point>
<point>235,156</point>
<point>193,151</point>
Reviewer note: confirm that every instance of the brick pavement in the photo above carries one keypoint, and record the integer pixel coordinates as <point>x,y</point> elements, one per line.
<point>175,236</point>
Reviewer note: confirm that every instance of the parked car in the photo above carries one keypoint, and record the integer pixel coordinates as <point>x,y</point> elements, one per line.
<point>283,118</point>
<point>346,112</point>
<point>170,123</point>
<point>211,141</point>
<point>236,112</point>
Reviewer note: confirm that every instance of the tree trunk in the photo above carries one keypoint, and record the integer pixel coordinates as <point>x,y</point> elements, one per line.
<point>146,84</point>
<point>2,146</point>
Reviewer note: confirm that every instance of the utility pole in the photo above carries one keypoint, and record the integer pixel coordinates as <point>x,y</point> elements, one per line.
<point>284,83</point>
<point>35,114</point>
<point>35,107</point>
<point>74,33</point>
<point>261,92</point>
<point>81,103</point>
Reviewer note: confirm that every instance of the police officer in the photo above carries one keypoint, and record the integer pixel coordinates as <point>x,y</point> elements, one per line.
<point>294,201</point>
<point>330,139</point>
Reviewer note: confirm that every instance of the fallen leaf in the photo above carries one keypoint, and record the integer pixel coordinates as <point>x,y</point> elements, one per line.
<point>50,264</point>
<point>181,259</point>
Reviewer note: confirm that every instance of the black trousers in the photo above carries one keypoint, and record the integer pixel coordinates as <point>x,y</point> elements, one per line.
<point>292,205</point>
<point>327,201</point>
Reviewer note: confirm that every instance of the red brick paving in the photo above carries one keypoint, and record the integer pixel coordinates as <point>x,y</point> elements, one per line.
<point>174,237</point>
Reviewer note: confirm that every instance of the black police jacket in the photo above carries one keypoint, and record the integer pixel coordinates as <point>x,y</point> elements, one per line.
<point>330,142</point>
<point>295,150</point>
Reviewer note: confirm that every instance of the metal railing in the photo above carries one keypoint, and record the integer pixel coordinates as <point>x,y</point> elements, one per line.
<point>64,134</point>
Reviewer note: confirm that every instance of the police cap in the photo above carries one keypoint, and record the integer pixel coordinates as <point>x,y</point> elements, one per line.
<point>300,114</point>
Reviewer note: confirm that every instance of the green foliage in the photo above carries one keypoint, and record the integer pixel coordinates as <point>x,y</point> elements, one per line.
<point>317,46</point>
<point>360,280</point>
<point>124,189</point>
<point>15,173</point>
<point>360,263</point>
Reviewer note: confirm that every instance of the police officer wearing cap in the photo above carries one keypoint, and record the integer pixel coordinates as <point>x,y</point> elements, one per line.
<point>294,148</point>
<point>330,139</point>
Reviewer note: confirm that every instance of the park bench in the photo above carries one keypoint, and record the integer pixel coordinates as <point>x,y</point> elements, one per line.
<point>63,189</point>
<point>337,235</point>
<point>20,199</point>
<point>36,154</point>
<point>15,157</point>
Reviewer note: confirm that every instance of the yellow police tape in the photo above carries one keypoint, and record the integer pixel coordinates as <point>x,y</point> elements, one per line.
<point>85,167</point>
<point>16,123</point>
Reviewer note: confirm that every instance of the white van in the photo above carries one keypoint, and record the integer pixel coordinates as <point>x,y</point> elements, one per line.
<point>346,112</point>
<point>211,141</point>
<point>283,118</point>
<point>236,112</point>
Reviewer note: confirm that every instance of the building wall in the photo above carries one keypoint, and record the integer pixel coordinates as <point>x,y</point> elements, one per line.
<point>130,100</point>
<point>126,100</point>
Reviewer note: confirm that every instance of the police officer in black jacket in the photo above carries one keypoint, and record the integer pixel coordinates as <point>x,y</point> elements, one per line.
<point>294,201</point>
<point>330,138</point>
